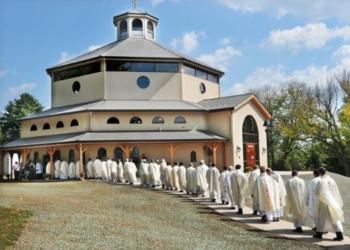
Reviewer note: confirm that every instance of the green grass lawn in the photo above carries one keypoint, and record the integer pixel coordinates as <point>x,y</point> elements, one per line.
<point>93,215</point>
<point>12,221</point>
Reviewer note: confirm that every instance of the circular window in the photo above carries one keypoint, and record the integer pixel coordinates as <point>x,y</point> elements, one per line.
<point>143,82</point>
<point>76,87</point>
<point>202,88</point>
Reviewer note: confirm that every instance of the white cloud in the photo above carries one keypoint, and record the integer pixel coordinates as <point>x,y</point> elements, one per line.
<point>22,88</point>
<point>310,36</point>
<point>277,75</point>
<point>93,47</point>
<point>221,58</point>
<point>3,72</point>
<point>156,2</point>
<point>314,9</point>
<point>64,56</point>
<point>188,42</point>
<point>225,41</point>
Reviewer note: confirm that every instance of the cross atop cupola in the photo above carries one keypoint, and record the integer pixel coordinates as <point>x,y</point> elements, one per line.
<point>136,23</point>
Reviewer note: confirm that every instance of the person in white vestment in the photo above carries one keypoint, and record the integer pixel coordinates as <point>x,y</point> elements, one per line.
<point>97,168</point>
<point>154,173</point>
<point>312,199</point>
<point>252,178</point>
<point>71,170</point>
<point>296,205</point>
<point>191,180</point>
<point>168,177</point>
<point>225,186</point>
<point>77,169</point>
<point>57,166</point>
<point>126,169</point>
<point>143,172</point>
<point>162,169</point>
<point>109,172</point>
<point>89,169</point>
<point>181,175</point>
<point>64,170</point>
<point>158,181</point>
<point>104,173</point>
<point>263,193</point>
<point>239,184</point>
<point>131,170</point>
<point>48,168</point>
<point>213,178</point>
<point>38,170</point>
<point>330,207</point>
<point>114,171</point>
<point>120,171</point>
<point>280,194</point>
<point>175,177</point>
<point>202,184</point>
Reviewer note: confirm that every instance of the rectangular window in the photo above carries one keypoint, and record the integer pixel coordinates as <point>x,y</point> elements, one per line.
<point>142,67</point>
<point>167,67</point>
<point>201,74</point>
<point>189,71</point>
<point>213,78</point>
<point>118,66</point>
<point>77,71</point>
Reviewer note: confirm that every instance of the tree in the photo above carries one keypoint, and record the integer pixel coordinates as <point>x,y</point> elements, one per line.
<point>26,104</point>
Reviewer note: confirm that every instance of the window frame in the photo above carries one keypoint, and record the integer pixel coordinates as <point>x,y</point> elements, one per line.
<point>183,121</point>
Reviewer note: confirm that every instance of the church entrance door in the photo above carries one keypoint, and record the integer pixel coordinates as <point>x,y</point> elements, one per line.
<point>251,154</point>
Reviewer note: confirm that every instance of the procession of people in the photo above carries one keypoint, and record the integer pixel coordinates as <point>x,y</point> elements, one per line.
<point>270,197</point>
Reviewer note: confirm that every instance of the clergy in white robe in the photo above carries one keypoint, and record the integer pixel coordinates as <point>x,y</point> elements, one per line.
<point>158,181</point>
<point>312,199</point>
<point>120,171</point>
<point>263,193</point>
<point>225,186</point>
<point>89,169</point>
<point>279,194</point>
<point>109,172</point>
<point>104,173</point>
<point>71,170</point>
<point>48,168</point>
<point>64,170</point>
<point>239,184</point>
<point>126,169</point>
<point>57,166</point>
<point>202,184</point>
<point>168,177</point>
<point>77,169</point>
<point>330,207</point>
<point>131,170</point>
<point>252,178</point>
<point>154,173</point>
<point>162,169</point>
<point>175,177</point>
<point>181,174</point>
<point>213,178</point>
<point>191,180</point>
<point>143,172</point>
<point>296,206</point>
<point>97,168</point>
<point>114,171</point>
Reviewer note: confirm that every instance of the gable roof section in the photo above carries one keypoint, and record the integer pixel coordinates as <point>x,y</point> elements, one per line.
<point>138,48</point>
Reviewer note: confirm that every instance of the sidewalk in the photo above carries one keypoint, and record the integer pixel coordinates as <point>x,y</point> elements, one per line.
<point>282,228</point>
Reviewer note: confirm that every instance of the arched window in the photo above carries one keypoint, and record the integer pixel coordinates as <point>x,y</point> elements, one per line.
<point>136,25</point>
<point>250,141</point>
<point>113,120</point>
<point>180,119</point>
<point>136,120</point>
<point>135,155</point>
<point>74,123</point>
<point>36,157</point>
<point>158,120</point>
<point>150,29</point>
<point>102,153</point>
<point>57,155</point>
<point>123,28</point>
<point>118,154</point>
<point>46,126</point>
<point>33,128</point>
<point>59,124</point>
<point>71,156</point>
<point>193,156</point>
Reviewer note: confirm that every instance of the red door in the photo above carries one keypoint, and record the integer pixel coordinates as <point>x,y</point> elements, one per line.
<point>251,154</point>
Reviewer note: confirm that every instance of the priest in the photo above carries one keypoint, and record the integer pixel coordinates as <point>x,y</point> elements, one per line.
<point>168,177</point>
<point>252,178</point>
<point>97,168</point>
<point>163,166</point>
<point>144,172</point>
<point>191,180</point>
<point>104,171</point>
<point>71,170</point>
<point>225,186</point>
<point>202,184</point>
<point>280,194</point>
<point>330,212</point>
<point>263,194</point>
<point>174,176</point>
<point>89,169</point>
<point>64,170</point>
<point>120,171</point>
<point>77,169</point>
<point>239,184</point>
<point>312,199</point>
<point>131,172</point>
<point>57,166</point>
<point>109,172</point>
<point>213,178</point>
<point>296,206</point>
<point>126,168</point>
<point>181,174</point>
<point>113,171</point>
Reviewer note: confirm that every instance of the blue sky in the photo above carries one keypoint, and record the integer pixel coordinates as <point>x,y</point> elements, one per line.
<point>256,42</point>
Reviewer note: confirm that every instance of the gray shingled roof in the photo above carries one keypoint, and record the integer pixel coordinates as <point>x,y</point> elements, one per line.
<point>138,136</point>
<point>226,102</point>
<point>134,48</point>
<point>119,105</point>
